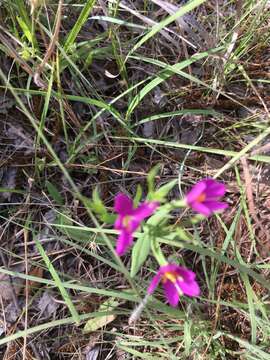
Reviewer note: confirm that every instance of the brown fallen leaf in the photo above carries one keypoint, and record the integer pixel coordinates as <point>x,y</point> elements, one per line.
<point>33,285</point>
<point>7,289</point>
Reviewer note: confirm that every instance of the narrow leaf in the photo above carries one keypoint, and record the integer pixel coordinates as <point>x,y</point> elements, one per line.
<point>58,282</point>
<point>55,194</point>
<point>79,24</point>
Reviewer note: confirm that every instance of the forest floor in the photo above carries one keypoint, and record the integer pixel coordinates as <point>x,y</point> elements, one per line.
<point>93,95</point>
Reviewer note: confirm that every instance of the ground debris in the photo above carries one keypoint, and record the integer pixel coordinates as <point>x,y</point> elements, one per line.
<point>7,288</point>
<point>20,138</point>
<point>9,182</point>
<point>47,305</point>
<point>92,354</point>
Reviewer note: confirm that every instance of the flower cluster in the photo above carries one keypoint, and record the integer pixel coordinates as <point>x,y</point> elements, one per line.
<point>203,198</point>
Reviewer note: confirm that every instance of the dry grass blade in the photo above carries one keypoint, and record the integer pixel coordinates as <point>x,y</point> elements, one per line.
<point>250,200</point>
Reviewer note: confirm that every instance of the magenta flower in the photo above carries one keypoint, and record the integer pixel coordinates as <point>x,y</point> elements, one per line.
<point>176,281</point>
<point>204,197</point>
<point>129,219</point>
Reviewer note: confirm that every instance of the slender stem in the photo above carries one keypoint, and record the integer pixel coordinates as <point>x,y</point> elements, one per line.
<point>157,252</point>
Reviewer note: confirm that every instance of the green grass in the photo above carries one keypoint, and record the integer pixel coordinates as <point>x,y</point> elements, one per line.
<point>87,128</point>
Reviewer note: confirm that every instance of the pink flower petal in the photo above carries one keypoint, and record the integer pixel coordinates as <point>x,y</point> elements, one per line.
<point>123,242</point>
<point>134,223</point>
<point>144,210</point>
<point>118,225</point>
<point>154,283</point>
<point>189,288</point>
<point>171,293</point>
<point>215,205</point>
<point>171,268</point>
<point>196,191</point>
<point>186,274</point>
<point>123,205</point>
<point>200,208</point>
<point>214,188</point>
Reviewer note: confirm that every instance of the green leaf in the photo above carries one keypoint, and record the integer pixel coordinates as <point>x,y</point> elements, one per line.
<point>160,25</point>
<point>52,190</point>
<point>25,29</point>
<point>100,321</point>
<point>151,177</point>
<point>97,204</point>
<point>99,208</point>
<point>181,233</point>
<point>162,192</point>
<point>187,337</point>
<point>138,196</point>
<point>161,77</point>
<point>64,224</point>
<point>79,24</point>
<point>24,16</point>
<point>140,252</point>
<point>142,247</point>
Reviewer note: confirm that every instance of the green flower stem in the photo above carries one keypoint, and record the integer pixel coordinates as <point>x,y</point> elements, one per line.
<point>179,203</point>
<point>157,252</point>
<point>161,213</point>
<point>197,219</point>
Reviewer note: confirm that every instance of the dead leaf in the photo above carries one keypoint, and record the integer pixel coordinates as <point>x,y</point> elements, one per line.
<point>13,349</point>
<point>100,321</point>
<point>92,354</point>
<point>47,305</point>
<point>148,129</point>
<point>9,182</point>
<point>33,285</point>
<point>160,97</point>
<point>6,103</point>
<point>6,288</point>
<point>110,75</point>
<point>11,313</point>
<point>20,138</point>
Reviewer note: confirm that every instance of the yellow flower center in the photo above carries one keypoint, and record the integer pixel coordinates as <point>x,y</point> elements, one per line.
<point>201,197</point>
<point>171,276</point>
<point>126,221</point>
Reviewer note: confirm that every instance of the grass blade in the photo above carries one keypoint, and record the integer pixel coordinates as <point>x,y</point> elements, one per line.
<point>79,24</point>
<point>156,28</point>
<point>162,76</point>
<point>58,282</point>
